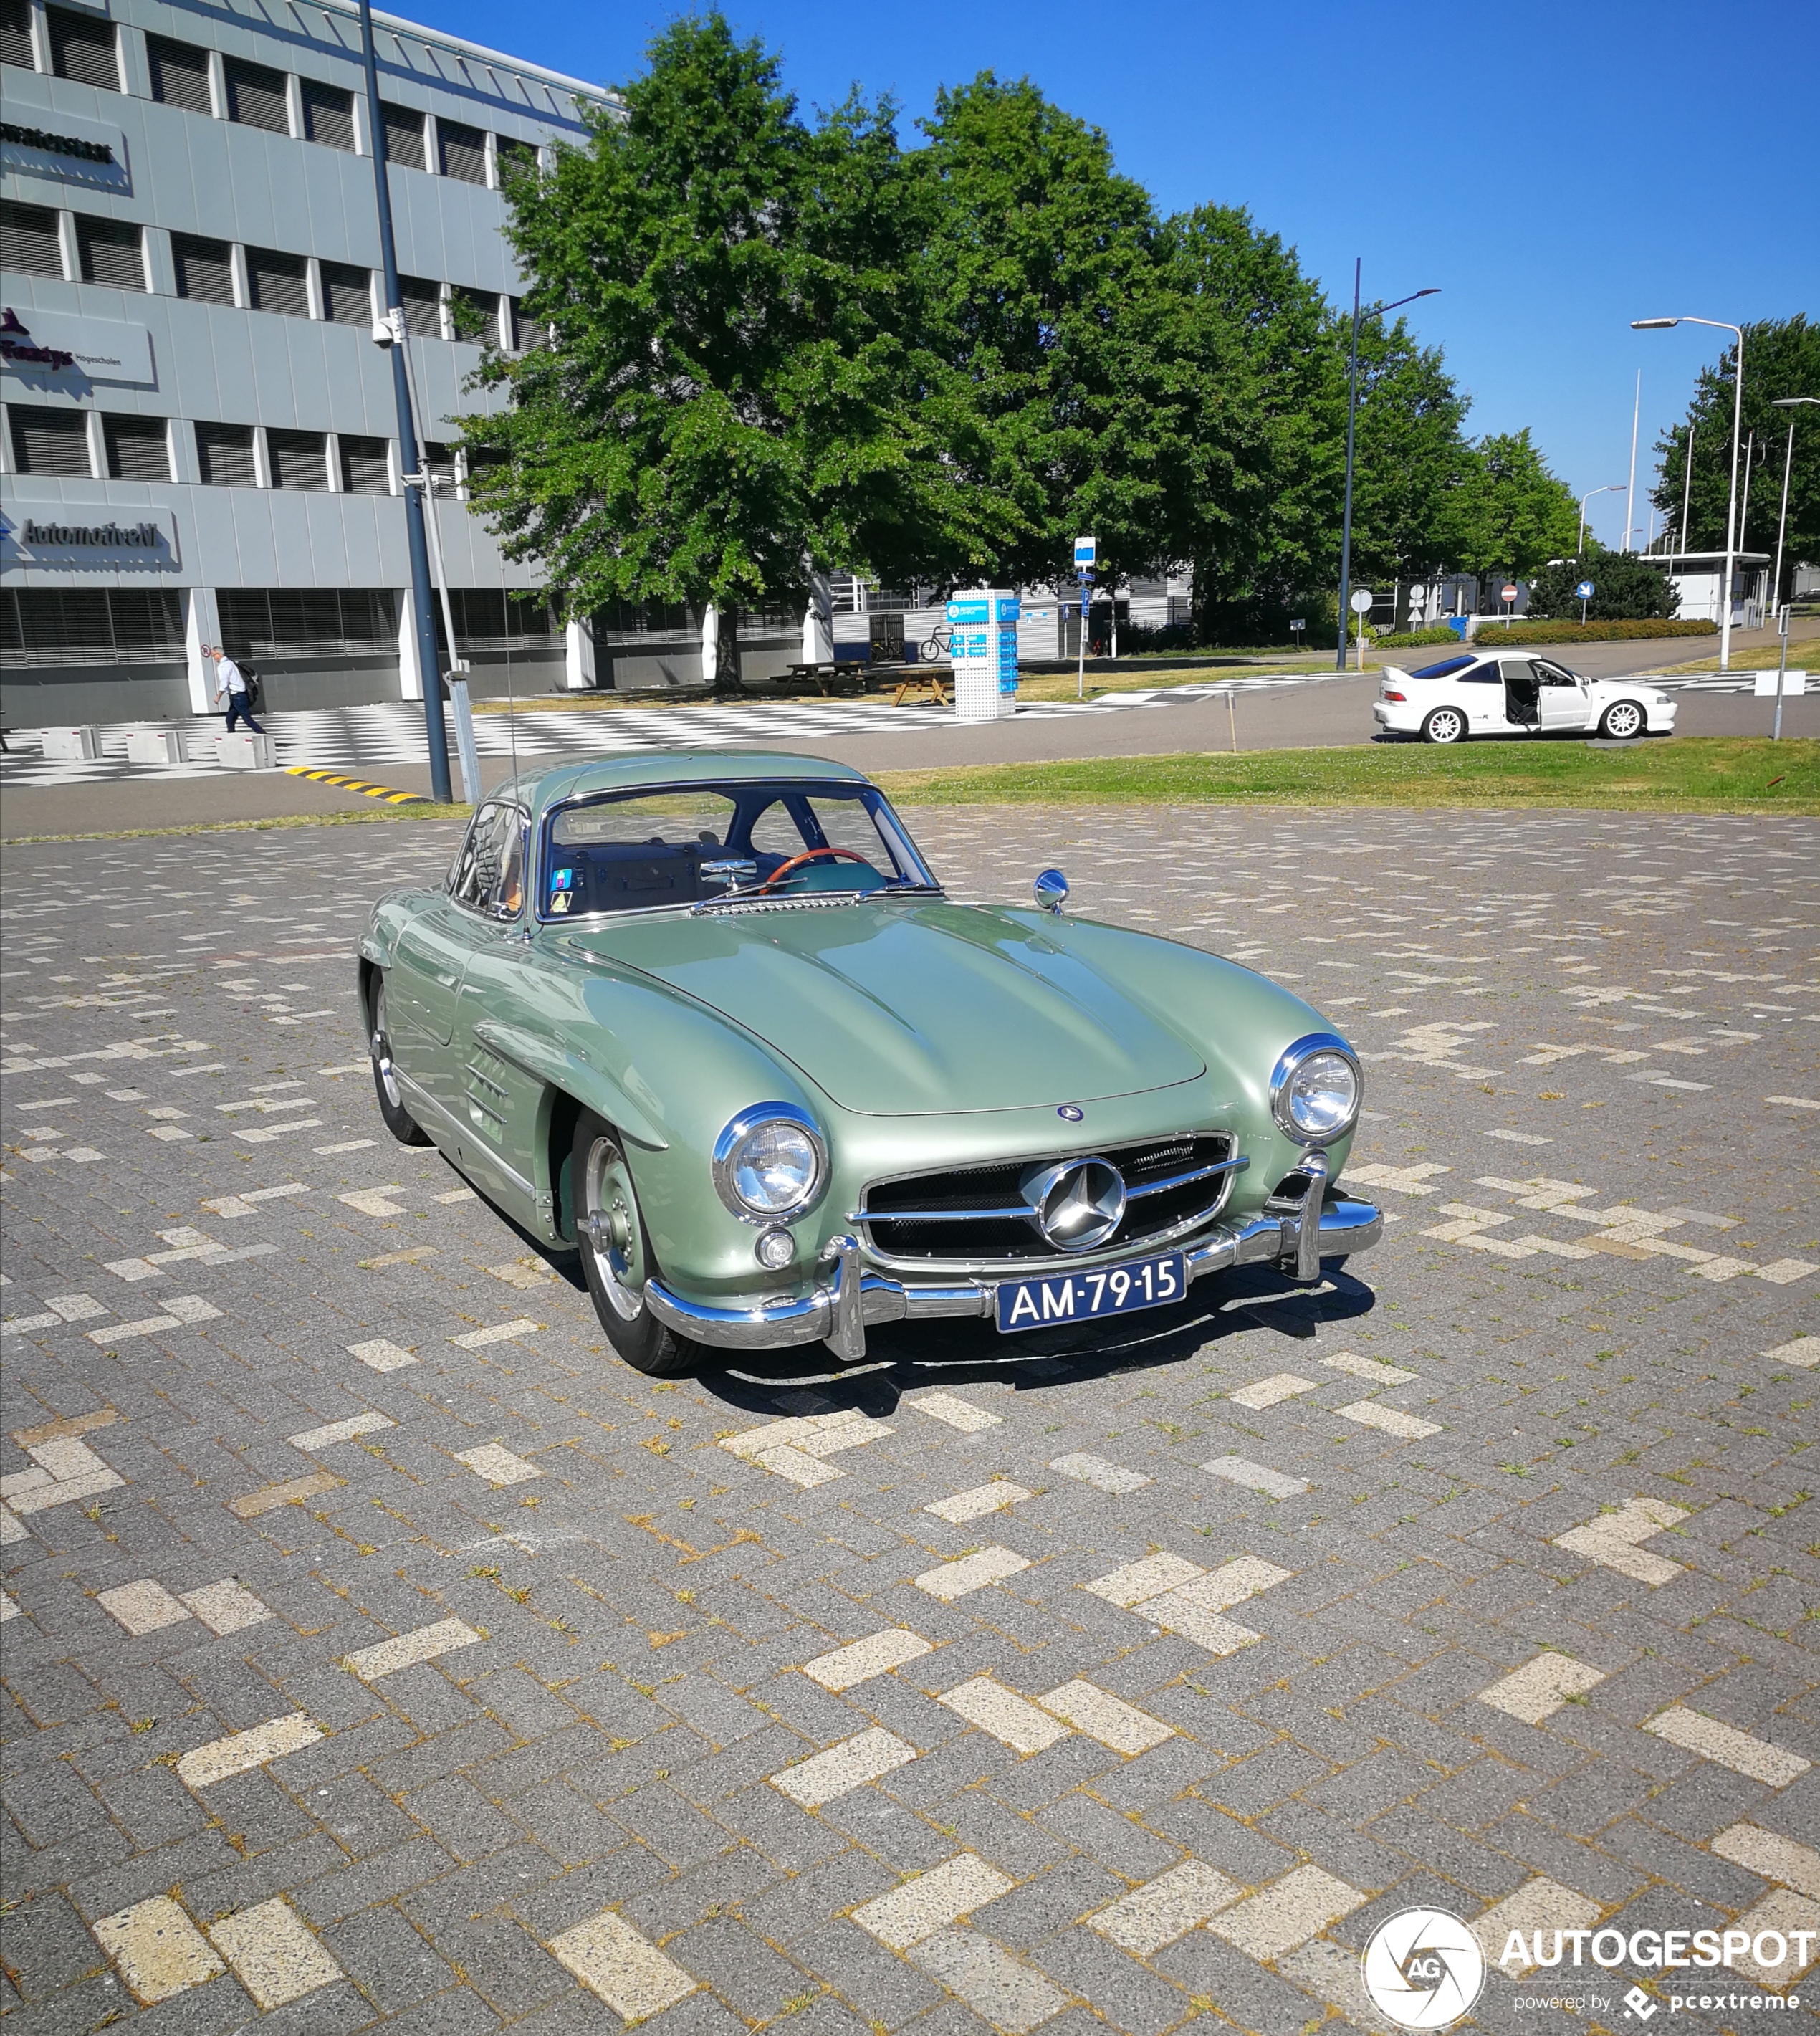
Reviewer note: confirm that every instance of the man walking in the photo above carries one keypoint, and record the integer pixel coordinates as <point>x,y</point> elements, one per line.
<point>232,686</point>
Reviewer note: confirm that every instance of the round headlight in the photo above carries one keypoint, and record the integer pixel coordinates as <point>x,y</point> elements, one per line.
<point>770,1162</point>
<point>1315,1090</point>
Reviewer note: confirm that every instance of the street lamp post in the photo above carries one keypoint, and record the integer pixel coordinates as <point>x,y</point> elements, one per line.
<point>1719,325</point>
<point>1785,403</point>
<point>1358,317</point>
<point>1614,488</point>
<point>392,326</point>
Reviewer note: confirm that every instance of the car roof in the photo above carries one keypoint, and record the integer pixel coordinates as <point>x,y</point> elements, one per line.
<point>554,783</point>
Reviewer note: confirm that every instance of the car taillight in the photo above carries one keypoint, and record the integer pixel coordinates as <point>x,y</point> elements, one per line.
<point>1389,696</point>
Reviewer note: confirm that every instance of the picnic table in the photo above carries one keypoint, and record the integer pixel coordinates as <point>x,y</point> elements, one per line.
<point>828,672</point>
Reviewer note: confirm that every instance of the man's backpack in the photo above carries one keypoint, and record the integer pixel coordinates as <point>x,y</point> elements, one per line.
<point>255,692</point>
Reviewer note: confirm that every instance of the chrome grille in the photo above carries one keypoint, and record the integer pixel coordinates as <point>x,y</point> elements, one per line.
<point>975,1214</point>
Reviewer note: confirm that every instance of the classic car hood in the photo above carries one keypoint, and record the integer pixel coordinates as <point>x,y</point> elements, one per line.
<point>900,1009</point>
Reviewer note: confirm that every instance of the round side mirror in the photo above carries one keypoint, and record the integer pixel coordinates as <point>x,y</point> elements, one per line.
<point>1050,890</point>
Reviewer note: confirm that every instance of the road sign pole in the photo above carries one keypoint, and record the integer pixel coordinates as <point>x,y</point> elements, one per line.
<point>1085,557</point>
<point>1781,673</point>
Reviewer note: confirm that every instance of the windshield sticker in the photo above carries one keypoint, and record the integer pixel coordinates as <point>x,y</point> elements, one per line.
<point>559,904</point>
<point>562,879</point>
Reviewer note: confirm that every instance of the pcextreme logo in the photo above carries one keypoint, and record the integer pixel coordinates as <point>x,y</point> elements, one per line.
<point>1424,1968</point>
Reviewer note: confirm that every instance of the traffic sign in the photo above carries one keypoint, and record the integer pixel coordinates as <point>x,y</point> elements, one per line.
<point>1508,591</point>
<point>1584,591</point>
<point>1362,600</point>
<point>1086,552</point>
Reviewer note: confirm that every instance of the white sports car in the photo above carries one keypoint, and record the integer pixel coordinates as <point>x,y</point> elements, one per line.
<point>1492,692</point>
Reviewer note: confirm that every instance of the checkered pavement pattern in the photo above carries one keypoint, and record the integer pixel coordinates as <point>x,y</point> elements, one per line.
<point>391,732</point>
<point>379,1652</point>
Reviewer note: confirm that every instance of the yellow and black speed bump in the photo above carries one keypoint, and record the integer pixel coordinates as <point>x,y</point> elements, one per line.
<point>385,792</point>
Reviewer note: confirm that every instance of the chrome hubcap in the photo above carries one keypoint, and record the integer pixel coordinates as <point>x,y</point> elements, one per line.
<point>609,1229</point>
<point>381,1052</point>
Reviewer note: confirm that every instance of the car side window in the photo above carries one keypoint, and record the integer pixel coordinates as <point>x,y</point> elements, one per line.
<point>1480,675</point>
<point>478,879</point>
<point>1552,675</point>
<point>461,870</point>
<point>506,898</point>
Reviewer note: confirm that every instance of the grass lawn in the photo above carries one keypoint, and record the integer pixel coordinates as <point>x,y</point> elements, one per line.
<point>1689,775</point>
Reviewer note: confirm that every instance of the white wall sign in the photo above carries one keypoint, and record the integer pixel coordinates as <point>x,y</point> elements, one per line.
<point>57,343</point>
<point>36,142</point>
<point>59,536</point>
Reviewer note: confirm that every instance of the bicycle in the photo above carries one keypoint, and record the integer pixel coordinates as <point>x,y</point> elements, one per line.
<point>938,646</point>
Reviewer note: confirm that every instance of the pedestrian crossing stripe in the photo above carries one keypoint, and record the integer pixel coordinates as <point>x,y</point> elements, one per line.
<point>385,792</point>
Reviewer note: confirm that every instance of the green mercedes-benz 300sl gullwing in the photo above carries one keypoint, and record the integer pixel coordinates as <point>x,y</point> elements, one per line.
<point>711,1020</point>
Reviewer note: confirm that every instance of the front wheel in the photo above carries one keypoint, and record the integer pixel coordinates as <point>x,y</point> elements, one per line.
<point>1445,724</point>
<point>615,1259</point>
<point>397,1120</point>
<point>1621,720</point>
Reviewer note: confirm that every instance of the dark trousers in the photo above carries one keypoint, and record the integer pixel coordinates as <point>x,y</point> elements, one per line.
<point>238,710</point>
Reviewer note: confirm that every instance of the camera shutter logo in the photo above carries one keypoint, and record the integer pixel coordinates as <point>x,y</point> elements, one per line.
<point>1424,1968</point>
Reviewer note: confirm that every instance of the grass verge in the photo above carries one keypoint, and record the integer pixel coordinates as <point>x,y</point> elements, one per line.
<point>420,810</point>
<point>1692,775</point>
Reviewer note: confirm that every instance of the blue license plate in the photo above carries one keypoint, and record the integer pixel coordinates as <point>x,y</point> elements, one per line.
<point>1084,1296</point>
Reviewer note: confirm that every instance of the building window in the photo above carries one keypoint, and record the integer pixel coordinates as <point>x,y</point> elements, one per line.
<point>328,116</point>
<point>91,625</point>
<point>299,459</point>
<point>464,152</point>
<point>110,253</point>
<point>263,624</point>
<point>204,268</point>
<point>347,294</point>
<point>278,282</point>
<point>16,33</point>
<point>82,48</point>
<point>138,448</point>
<point>517,159</point>
<point>28,239</point>
<point>50,441</point>
<point>179,73</point>
<point>364,468</point>
<point>224,455</point>
<point>474,314</point>
<point>404,136</point>
<point>256,96</point>
<point>423,306</point>
<point>489,619</point>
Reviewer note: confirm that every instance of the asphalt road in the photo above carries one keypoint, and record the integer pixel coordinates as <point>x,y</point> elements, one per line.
<point>365,1614</point>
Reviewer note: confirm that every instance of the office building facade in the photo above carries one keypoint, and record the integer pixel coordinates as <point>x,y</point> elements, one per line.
<point>199,442</point>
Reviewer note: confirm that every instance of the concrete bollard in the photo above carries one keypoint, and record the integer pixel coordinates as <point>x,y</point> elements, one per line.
<point>154,745</point>
<point>72,745</point>
<point>244,751</point>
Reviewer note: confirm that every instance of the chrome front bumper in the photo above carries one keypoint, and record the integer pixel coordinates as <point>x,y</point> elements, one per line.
<point>839,1313</point>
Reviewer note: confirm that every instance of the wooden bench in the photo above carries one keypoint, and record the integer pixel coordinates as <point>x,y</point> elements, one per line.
<point>919,681</point>
<point>829,672</point>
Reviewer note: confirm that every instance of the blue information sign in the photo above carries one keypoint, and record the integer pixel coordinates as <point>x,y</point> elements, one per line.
<point>1584,591</point>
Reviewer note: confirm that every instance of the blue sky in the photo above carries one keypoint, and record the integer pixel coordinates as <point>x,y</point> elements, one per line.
<point>1558,170</point>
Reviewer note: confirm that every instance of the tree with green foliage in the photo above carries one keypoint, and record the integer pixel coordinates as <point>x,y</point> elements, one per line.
<point>1036,283</point>
<point>729,391</point>
<point>1411,459</point>
<point>1626,588</point>
<point>1509,514</point>
<point>1781,358</point>
<point>1256,441</point>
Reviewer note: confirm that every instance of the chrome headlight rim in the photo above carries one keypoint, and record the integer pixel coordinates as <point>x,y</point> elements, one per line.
<point>1291,1060</point>
<point>732,1139</point>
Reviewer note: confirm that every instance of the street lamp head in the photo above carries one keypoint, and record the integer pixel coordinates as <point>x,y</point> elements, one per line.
<point>1791,402</point>
<point>1652,324</point>
<point>1434,292</point>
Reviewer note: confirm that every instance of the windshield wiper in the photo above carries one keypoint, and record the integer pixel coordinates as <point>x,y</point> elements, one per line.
<point>759,896</point>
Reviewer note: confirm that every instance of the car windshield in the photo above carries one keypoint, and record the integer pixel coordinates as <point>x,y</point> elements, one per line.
<point>1444,669</point>
<point>697,844</point>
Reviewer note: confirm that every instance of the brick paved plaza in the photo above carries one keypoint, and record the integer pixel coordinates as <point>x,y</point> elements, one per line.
<point>382,1652</point>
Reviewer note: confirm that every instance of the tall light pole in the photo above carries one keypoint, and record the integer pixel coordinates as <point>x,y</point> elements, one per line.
<point>1614,488</point>
<point>1719,325</point>
<point>391,334</point>
<point>1785,403</point>
<point>1358,317</point>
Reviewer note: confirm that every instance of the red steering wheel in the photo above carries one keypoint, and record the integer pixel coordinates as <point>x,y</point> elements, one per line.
<point>809,855</point>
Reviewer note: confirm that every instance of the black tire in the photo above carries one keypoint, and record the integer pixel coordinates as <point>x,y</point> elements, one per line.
<point>1445,724</point>
<point>1623,721</point>
<point>398,1120</point>
<point>617,1267</point>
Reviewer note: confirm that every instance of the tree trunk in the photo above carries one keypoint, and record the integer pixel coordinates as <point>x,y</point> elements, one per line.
<point>727,654</point>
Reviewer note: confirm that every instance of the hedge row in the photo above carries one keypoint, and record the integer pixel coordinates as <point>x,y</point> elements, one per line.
<point>1591,632</point>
